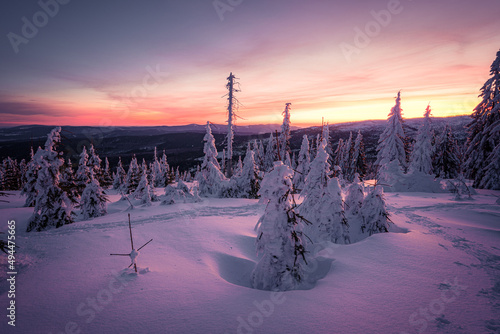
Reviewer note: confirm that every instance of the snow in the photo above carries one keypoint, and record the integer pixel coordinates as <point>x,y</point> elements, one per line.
<point>441,275</point>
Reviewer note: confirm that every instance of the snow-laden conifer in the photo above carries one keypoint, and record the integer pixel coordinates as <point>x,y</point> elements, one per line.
<point>133,176</point>
<point>358,162</point>
<point>374,212</point>
<point>210,179</point>
<point>284,137</point>
<point>421,157</point>
<point>29,189</point>
<point>93,200</point>
<point>391,142</point>
<point>82,176</point>
<point>142,192</point>
<point>120,175</point>
<point>446,162</point>
<point>53,208</point>
<point>354,196</point>
<point>247,183</point>
<point>303,164</point>
<point>280,242</point>
<point>484,132</point>
<point>271,155</point>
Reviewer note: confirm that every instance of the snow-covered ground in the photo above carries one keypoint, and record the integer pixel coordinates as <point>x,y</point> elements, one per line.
<point>442,275</point>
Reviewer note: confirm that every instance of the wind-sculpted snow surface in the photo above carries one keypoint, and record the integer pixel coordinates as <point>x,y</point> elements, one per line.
<point>441,276</point>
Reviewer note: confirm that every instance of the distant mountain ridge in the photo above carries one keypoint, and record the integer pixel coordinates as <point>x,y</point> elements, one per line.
<point>184,144</point>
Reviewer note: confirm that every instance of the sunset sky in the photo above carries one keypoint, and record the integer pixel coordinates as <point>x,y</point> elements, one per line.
<point>91,62</point>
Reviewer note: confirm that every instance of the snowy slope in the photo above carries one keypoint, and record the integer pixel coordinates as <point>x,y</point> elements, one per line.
<point>441,276</point>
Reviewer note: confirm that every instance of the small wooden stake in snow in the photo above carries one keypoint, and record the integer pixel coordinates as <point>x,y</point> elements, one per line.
<point>135,252</point>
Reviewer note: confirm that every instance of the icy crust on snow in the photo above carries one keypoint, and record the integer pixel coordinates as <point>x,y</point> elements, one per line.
<point>440,277</point>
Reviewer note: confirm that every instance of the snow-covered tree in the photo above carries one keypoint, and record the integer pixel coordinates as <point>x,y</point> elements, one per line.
<point>82,176</point>
<point>210,179</point>
<point>280,242</point>
<point>120,175</point>
<point>258,149</point>
<point>67,182</point>
<point>303,164</point>
<point>93,200</point>
<point>94,163</point>
<point>133,176</point>
<point>107,179</point>
<point>142,192</point>
<point>284,137</point>
<point>358,162</point>
<point>29,189</point>
<point>11,174</point>
<point>391,143</point>
<point>325,135</point>
<point>446,163</point>
<point>354,197</point>
<point>179,194</point>
<point>333,224</point>
<point>315,187</point>
<point>339,153</point>
<point>491,179</point>
<point>374,212</point>
<point>421,157</point>
<point>52,206</point>
<point>271,153</point>
<point>247,183</point>
<point>163,176</point>
<point>484,132</point>
<point>156,172</point>
<point>238,168</point>
<point>347,158</point>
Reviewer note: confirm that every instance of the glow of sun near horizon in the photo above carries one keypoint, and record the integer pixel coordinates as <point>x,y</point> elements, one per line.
<point>127,63</point>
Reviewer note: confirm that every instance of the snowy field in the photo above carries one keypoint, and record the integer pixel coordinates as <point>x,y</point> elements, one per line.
<point>441,275</point>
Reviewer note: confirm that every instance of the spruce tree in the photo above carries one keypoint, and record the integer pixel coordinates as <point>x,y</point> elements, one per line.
<point>107,178</point>
<point>391,145</point>
<point>421,158</point>
<point>271,156</point>
<point>11,174</point>
<point>210,178</point>
<point>284,138</point>
<point>315,185</point>
<point>142,192</point>
<point>94,163</point>
<point>325,135</point>
<point>133,176</point>
<point>120,175</point>
<point>52,206</point>
<point>358,162</point>
<point>93,200</point>
<point>303,164</point>
<point>446,163</point>
<point>280,242</point>
<point>374,212</point>
<point>484,132</point>
<point>29,189</point>
<point>82,176</point>
<point>248,181</point>
<point>331,220</point>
